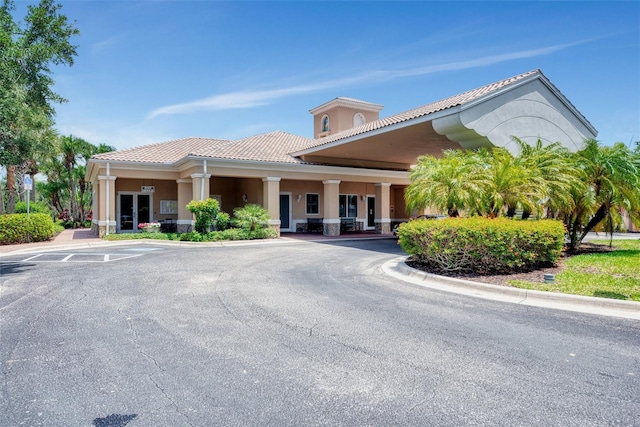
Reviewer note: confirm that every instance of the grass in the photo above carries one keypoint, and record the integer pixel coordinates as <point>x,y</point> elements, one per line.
<point>607,275</point>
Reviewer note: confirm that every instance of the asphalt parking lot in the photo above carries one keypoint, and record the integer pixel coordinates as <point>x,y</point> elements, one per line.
<point>302,333</point>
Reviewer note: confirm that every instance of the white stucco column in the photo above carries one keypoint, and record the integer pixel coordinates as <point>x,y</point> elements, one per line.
<point>331,211</point>
<point>185,195</point>
<point>271,199</point>
<point>383,203</point>
<point>200,185</point>
<point>105,217</point>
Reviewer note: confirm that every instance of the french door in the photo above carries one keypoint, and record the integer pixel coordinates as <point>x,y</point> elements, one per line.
<point>133,209</point>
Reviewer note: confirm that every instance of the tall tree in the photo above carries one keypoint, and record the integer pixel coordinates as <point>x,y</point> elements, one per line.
<point>555,166</point>
<point>511,183</point>
<point>27,52</point>
<point>612,177</point>
<point>72,150</point>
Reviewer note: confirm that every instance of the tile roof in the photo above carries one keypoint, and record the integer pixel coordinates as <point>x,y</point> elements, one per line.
<point>266,147</point>
<point>443,104</point>
<point>279,146</point>
<point>162,152</point>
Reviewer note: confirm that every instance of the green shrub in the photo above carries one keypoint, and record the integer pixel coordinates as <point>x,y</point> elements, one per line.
<point>243,234</point>
<point>20,228</point>
<point>205,212</point>
<point>251,217</point>
<point>34,207</point>
<point>222,221</point>
<point>482,245</point>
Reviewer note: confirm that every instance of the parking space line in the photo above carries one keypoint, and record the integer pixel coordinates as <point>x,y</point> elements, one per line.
<point>79,257</point>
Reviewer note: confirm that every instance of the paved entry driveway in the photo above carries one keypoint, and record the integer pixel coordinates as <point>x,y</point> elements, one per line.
<point>293,334</point>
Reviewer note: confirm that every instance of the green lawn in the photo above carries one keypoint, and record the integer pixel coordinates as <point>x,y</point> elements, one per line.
<point>608,275</point>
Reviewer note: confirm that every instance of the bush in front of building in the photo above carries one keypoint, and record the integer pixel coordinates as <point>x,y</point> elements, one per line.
<point>205,212</point>
<point>223,221</point>
<point>251,217</point>
<point>482,245</point>
<point>23,228</point>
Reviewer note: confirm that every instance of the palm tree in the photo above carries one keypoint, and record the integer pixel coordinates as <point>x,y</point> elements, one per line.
<point>451,183</point>
<point>612,178</point>
<point>251,216</point>
<point>72,150</point>
<point>555,167</point>
<point>512,183</point>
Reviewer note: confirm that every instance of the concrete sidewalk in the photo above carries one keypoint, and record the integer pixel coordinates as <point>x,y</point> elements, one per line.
<point>83,236</point>
<point>86,238</point>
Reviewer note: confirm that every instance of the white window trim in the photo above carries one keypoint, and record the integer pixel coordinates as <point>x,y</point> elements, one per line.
<point>306,204</point>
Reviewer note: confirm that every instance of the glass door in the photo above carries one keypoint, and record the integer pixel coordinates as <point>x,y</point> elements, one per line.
<point>134,209</point>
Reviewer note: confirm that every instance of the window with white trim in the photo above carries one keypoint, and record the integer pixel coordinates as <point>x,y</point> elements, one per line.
<point>358,119</point>
<point>313,203</point>
<point>348,205</point>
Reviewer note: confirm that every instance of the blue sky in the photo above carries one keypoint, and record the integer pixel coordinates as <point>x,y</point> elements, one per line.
<point>153,71</point>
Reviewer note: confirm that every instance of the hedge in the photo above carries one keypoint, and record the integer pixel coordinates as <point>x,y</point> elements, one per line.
<point>18,228</point>
<point>483,246</point>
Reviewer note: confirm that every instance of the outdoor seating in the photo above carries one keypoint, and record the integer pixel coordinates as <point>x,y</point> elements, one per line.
<point>348,224</point>
<point>314,225</point>
<point>168,225</point>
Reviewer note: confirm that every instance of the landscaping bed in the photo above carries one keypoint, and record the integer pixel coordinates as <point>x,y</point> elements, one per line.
<point>595,270</point>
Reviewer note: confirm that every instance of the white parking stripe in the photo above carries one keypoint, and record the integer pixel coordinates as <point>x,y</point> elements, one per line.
<point>80,257</point>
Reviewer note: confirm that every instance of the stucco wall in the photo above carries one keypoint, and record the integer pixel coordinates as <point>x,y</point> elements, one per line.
<point>529,112</point>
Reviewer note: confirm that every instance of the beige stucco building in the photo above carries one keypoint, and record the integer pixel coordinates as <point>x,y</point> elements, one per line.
<point>351,174</point>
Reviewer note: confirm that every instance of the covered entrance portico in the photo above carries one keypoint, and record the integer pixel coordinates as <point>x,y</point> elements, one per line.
<point>351,176</point>
<point>290,198</point>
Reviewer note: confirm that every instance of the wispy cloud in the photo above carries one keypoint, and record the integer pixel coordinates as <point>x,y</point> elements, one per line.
<point>249,99</point>
<point>104,44</point>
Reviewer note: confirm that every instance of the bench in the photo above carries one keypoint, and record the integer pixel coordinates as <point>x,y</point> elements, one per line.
<point>315,225</point>
<point>348,224</point>
<point>168,226</point>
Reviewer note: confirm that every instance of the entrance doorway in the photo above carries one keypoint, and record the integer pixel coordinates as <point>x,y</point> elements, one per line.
<point>371,212</point>
<point>133,209</point>
<point>285,212</point>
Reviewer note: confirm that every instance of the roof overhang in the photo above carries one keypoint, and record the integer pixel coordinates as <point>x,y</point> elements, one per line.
<point>396,146</point>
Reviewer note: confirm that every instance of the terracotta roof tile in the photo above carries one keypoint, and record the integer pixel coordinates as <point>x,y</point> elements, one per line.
<point>280,146</point>
<point>162,152</point>
<point>443,104</point>
<point>267,147</point>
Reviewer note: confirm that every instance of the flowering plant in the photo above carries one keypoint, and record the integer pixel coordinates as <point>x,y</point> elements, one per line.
<point>149,225</point>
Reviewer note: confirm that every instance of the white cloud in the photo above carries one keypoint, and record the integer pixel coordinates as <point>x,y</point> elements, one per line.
<point>249,99</point>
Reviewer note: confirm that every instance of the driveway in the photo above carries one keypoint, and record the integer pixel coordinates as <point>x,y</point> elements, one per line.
<point>297,333</point>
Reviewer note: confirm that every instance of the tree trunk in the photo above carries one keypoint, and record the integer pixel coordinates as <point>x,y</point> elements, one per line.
<point>11,189</point>
<point>600,214</point>
<point>2,211</point>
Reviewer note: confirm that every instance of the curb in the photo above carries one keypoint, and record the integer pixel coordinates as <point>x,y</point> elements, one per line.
<point>576,303</point>
<point>224,243</point>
